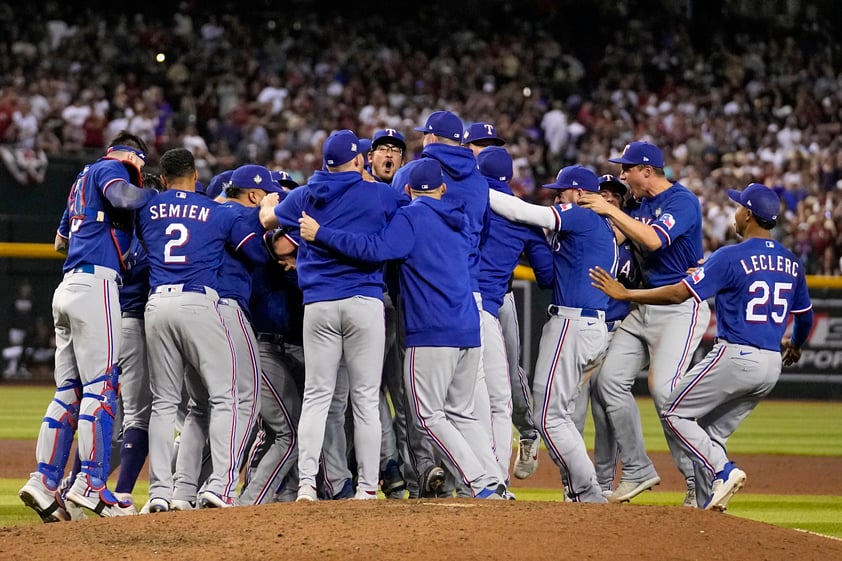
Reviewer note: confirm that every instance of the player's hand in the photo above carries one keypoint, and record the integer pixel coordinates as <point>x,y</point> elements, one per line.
<point>603,280</point>
<point>596,203</point>
<point>308,227</point>
<point>288,261</point>
<point>790,353</point>
<point>692,270</point>
<point>270,200</point>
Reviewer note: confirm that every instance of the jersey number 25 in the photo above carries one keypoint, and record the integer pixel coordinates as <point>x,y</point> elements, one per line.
<point>756,307</point>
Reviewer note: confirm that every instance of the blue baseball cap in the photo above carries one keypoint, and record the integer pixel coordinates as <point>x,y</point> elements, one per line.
<point>574,177</point>
<point>444,124</point>
<point>610,182</point>
<point>253,176</point>
<point>388,136</point>
<point>284,179</point>
<point>482,131</point>
<point>425,175</point>
<point>218,183</point>
<point>341,147</point>
<point>495,162</point>
<point>641,153</point>
<point>762,201</point>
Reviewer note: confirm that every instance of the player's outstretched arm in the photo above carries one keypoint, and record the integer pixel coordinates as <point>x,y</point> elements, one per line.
<point>669,294</point>
<point>518,210</point>
<point>637,231</point>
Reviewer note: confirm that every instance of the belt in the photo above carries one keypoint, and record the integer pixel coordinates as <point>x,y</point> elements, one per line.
<point>575,313</point>
<point>274,338</point>
<point>227,301</point>
<point>98,271</point>
<point>133,315</point>
<point>179,288</point>
<point>612,325</point>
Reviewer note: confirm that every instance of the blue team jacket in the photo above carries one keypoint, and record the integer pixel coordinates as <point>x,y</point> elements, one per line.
<point>430,238</point>
<point>341,200</point>
<point>465,183</point>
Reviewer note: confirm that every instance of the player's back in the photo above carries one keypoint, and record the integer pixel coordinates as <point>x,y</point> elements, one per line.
<point>436,288</point>
<point>185,235</point>
<point>763,282</point>
<point>344,201</point>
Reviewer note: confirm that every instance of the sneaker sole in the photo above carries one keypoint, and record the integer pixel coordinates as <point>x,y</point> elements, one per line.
<point>48,515</point>
<point>721,504</point>
<point>641,487</point>
<point>305,499</point>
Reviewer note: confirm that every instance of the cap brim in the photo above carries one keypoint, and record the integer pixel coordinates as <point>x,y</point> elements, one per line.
<point>389,140</point>
<point>421,129</point>
<point>555,186</point>
<point>622,161</point>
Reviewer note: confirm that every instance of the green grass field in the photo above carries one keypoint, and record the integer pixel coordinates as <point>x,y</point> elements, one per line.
<point>776,427</point>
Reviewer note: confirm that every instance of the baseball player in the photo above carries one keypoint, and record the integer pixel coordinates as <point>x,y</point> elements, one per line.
<point>217,185</point>
<point>343,307</point>
<point>605,444</point>
<point>275,304</point>
<point>478,137</point>
<point>666,234</point>
<point>135,393</point>
<point>86,314</point>
<point>185,235</point>
<point>247,186</point>
<point>757,284</point>
<point>429,237</point>
<point>500,252</point>
<point>443,141</point>
<point>575,335</point>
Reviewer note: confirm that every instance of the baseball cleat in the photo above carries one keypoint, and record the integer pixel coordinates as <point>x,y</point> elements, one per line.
<point>393,484</point>
<point>495,492</point>
<point>307,494</point>
<point>157,504</point>
<point>361,495</point>
<point>178,504</point>
<point>432,481</point>
<point>101,501</point>
<point>527,457</point>
<point>209,499</point>
<point>690,499</point>
<point>627,490</point>
<point>725,485</point>
<point>47,503</point>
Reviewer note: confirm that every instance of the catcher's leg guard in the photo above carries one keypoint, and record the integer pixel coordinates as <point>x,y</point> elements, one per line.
<point>57,430</point>
<point>96,425</point>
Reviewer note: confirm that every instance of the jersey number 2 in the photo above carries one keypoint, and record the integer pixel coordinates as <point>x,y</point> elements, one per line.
<point>182,234</point>
<point>755,311</point>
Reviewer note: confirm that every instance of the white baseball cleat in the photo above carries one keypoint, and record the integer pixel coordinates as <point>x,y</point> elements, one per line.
<point>99,500</point>
<point>209,499</point>
<point>361,495</point>
<point>46,502</point>
<point>179,504</point>
<point>627,490</point>
<point>306,494</point>
<point>725,485</point>
<point>527,457</point>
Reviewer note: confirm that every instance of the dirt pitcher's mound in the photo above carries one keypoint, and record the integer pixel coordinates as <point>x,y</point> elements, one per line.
<point>420,530</point>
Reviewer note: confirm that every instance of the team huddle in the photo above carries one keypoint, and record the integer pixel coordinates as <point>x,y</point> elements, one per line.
<point>262,341</point>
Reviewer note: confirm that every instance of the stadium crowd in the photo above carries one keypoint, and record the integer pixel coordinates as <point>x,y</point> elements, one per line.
<point>744,103</point>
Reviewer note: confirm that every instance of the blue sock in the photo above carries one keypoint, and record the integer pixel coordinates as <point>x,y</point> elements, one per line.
<point>132,457</point>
